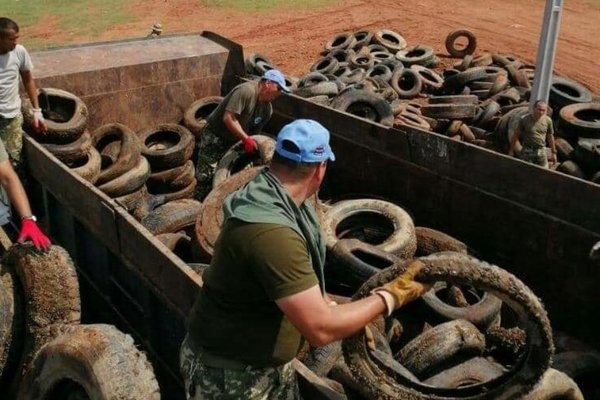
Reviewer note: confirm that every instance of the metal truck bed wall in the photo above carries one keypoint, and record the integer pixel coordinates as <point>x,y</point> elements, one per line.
<point>534,222</point>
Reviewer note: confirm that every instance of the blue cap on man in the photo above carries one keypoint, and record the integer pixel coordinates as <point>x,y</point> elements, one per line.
<point>311,138</point>
<point>276,76</point>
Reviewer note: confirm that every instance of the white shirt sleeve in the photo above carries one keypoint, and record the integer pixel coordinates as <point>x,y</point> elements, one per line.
<point>25,63</point>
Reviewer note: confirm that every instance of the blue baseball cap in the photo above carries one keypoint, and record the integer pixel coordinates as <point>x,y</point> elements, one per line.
<point>276,76</point>
<point>310,137</point>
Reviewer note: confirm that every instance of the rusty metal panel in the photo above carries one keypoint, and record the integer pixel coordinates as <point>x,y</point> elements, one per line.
<point>140,82</point>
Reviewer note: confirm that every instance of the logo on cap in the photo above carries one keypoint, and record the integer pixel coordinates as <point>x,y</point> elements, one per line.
<point>319,150</point>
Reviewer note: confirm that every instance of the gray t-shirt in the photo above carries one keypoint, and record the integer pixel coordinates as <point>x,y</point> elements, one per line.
<point>11,64</point>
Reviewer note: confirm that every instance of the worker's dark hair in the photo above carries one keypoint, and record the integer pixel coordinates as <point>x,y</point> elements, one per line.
<point>303,169</point>
<point>538,102</point>
<point>7,24</point>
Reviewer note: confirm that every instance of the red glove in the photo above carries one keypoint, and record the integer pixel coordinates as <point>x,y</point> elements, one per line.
<point>30,230</point>
<point>250,146</point>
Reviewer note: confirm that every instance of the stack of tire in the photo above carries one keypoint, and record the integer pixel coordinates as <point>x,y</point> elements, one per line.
<point>194,117</point>
<point>67,137</point>
<point>44,350</point>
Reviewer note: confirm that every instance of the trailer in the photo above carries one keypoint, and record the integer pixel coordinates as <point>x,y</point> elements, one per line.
<point>536,223</point>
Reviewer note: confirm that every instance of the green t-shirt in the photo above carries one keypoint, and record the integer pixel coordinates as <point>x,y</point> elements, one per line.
<point>235,316</point>
<point>533,133</point>
<point>242,101</point>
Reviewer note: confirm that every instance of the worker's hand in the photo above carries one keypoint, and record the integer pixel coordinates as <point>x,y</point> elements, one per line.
<point>404,288</point>
<point>39,123</point>
<point>31,231</point>
<point>250,146</point>
<point>369,339</point>
<point>552,158</point>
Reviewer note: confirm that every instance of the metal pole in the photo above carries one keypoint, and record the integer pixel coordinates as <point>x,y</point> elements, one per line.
<point>546,51</point>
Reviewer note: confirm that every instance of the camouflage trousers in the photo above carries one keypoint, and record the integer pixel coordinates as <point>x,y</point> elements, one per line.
<point>11,134</point>
<point>535,156</point>
<point>207,383</point>
<point>210,150</point>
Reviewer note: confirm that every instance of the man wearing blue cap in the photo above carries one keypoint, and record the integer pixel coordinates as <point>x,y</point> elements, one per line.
<point>243,112</point>
<point>264,288</point>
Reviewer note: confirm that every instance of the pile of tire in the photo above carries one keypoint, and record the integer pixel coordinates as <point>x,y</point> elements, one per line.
<point>479,333</point>
<point>44,350</point>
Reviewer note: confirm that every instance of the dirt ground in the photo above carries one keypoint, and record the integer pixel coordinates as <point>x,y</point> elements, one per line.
<point>293,38</point>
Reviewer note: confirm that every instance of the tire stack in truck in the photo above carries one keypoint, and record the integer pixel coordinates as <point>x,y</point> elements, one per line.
<point>479,99</point>
<point>45,352</point>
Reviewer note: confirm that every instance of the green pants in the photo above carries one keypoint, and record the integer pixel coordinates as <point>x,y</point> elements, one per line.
<point>210,150</point>
<point>11,134</point>
<point>535,156</point>
<point>250,383</point>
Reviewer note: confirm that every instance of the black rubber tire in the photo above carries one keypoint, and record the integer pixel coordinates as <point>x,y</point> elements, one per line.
<point>383,56</point>
<point>483,60</point>
<point>564,150</point>
<point>380,71</point>
<point>457,82</point>
<point>587,154</point>
<point>475,370</point>
<point>320,360</point>
<point>235,160</point>
<point>210,217</point>
<point>362,60</point>
<point>50,293</point>
<point>312,78</point>
<point>363,38</point>
<point>391,40</point>
<point>428,354</point>
<point>185,193</point>
<point>344,217</point>
<point>555,385</point>
<point>467,50</point>
<point>129,151</point>
<point>66,118</point>
<point>365,104</point>
<point>255,64</point>
<point>194,117</point>
<point>403,76</point>
<point>411,119</point>
<point>88,167</point>
<point>529,311</point>
<point>463,64</point>
<point>11,325</point>
<point>454,99</point>
<point>341,55</point>
<point>357,75</point>
<point>431,80</point>
<point>99,362</point>
<point>419,54</point>
<point>147,204</point>
<point>166,146</point>
<point>172,179</point>
<point>354,261</point>
<point>500,84</point>
<point>430,241</point>
<point>129,182</point>
<point>313,386</point>
<point>489,112</point>
<point>341,41</point>
<point>449,111</point>
<point>131,200</point>
<point>582,119</point>
<point>172,216</point>
<point>328,89</point>
<point>571,168</point>
<point>325,65</point>
<point>70,152</point>
<point>566,91</point>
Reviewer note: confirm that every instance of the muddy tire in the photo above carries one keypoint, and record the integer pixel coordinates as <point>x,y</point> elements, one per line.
<point>430,79</point>
<point>172,216</point>
<point>529,311</point>
<point>167,146</point>
<point>172,195</point>
<point>194,118</point>
<point>320,360</point>
<point>449,111</point>
<point>566,91</point>
<point>93,361</point>
<point>564,150</point>
<point>70,152</point>
<point>457,82</point>
<point>571,168</point>
<point>50,293</point>
<point>467,50</point>
<point>430,241</point>
<point>391,40</point>
<point>88,167</point>
<point>420,54</point>
<point>11,324</point>
<point>129,182</point>
<point>581,120</point>
<point>255,64</point>
<point>313,386</point>
<point>65,114</point>
<point>555,385</point>
<point>381,223</point>
<point>340,41</point>
<point>328,89</point>
<point>475,370</point>
<point>172,179</point>
<point>581,366</point>
<point>454,99</point>
<point>128,154</point>
<point>365,104</point>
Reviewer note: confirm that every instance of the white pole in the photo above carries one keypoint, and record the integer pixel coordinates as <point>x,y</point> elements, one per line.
<point>546,51</point>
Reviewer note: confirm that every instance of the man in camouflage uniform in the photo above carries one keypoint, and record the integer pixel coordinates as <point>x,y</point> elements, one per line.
<point>15,62</point>
<point>535,129</point>
<point>244,111</point>
<point>264,289</point>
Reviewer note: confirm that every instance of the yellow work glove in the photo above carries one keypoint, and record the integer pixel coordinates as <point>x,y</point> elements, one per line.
<point>403,289</point>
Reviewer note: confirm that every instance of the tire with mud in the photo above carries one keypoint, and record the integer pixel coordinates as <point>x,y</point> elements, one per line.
<point>70,152</point>
<point>90,361</point>
<point>564,91</point>
<point>257,64</point>
<point>167,146</point>
<point>65,114</point>
<point>194,118</point>
<point>88,167</point>
<point>129,182</point>
<point>581,120</point>
<point>469,49</point>
<point>391,40</point>
<point>172,216</point>
<point>449,111</point>
<point>555,385</point>
<point>340,41</point>
<point>365,104</point>
<point>11,324</point>
<point>127,155</point>
<point>430,241</point>
<point>475,370</point>
<point>172,179</point>
<point>407,83</point>
<point>531,317</point>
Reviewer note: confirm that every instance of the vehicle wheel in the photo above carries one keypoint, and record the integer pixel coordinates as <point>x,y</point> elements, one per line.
<point>128,154</point>
<point>194,118</point>
<point>235,160</point>
<point>167,146</point>
<point>365,104</point>
<point>90,361</point>
<point>407,83</point>
<point>129,182</point>
<point>458,52</point>
<point>530,313</point>
<point>581,120</point>
<point>172,216</point>
<point>70,152</point>
<point>430,241</point>
<point>566,91</point>
<point>88,167</point>
<point>380,223</point>
<point>65,114</point>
